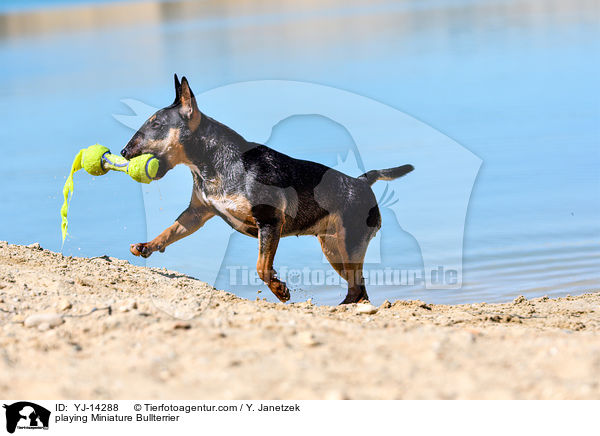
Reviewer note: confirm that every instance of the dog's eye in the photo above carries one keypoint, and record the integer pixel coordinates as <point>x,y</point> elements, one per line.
<point>155,123</point>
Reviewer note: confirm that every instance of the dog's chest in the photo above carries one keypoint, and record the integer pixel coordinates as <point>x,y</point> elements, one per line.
<point>235,209</point>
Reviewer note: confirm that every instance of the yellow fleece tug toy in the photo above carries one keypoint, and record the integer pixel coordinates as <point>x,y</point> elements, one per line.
<point>97,160</point>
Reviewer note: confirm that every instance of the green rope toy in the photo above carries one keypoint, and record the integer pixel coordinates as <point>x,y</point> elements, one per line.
<point>97,161</point>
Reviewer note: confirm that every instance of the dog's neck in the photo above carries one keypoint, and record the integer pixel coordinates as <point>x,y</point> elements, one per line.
<point>214,150</point>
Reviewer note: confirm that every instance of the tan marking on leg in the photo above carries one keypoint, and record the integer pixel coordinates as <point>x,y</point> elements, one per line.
<point>347,266</point>
<point>329,245</point>
<point>188,222</point>
<point>267,246</point>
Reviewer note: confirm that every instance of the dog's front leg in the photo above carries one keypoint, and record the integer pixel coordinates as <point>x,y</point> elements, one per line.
<point>268,239</point>
<point>188,222</point>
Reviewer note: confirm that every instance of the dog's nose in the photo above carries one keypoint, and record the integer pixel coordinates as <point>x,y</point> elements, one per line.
<point>124,153</point>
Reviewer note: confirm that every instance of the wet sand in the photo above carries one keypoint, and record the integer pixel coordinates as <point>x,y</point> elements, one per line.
<point>169,336</point>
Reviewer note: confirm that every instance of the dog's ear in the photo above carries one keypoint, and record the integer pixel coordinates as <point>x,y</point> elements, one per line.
<point>177,89</point>
<point>189,108</point>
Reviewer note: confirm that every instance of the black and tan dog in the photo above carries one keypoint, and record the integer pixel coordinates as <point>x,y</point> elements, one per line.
<point>261,192</point>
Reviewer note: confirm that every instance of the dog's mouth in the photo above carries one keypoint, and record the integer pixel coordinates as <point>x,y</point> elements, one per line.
<point>163,164</point>
<point>163,168</point>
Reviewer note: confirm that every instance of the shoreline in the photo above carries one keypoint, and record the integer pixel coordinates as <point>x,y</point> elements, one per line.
<point>170,336</point>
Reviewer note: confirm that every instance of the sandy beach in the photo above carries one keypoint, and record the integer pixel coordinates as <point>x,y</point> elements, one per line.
<point>121,331</point>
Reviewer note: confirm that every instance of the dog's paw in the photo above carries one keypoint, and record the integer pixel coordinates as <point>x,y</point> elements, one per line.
<point>281,291</point>
<point>142,249</point>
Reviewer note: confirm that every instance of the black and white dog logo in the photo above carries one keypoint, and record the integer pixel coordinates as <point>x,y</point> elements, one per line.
<point>26,415</point>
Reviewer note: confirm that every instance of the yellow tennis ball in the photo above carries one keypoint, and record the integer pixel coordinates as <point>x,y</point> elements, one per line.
<point>143,168</point>
<point>91,159</point>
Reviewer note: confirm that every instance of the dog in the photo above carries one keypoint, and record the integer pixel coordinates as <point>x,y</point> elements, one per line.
<point>261,192</point>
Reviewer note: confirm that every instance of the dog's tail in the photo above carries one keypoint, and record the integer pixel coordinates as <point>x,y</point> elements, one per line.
<point>388,174</point>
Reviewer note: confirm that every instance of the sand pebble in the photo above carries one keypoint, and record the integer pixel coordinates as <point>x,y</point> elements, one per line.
<point>35,246</point>
<point>128,306</point>
<point>64,304</point>
<point>365,309</point>
<point>520,299</point>
<point>164,375</point>
<point>308,339</point>
<point>336,395</point>
<point>52,319</point>
<point>385,305</point>
<point>44,326</point>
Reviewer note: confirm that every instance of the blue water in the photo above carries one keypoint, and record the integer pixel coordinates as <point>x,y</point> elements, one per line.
<point>12,6</point>
<point>513,85</point>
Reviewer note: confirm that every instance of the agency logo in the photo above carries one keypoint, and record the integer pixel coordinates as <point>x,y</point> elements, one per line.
<point>24,415</point>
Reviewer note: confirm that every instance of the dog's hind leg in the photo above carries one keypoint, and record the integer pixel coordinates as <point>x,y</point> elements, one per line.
<point>268,240</point>
<point>329,245</point>
<point>353,273</point>
<point>348,264</point>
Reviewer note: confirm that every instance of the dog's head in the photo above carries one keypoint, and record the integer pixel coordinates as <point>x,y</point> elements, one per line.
<point>165,133</point>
